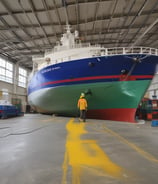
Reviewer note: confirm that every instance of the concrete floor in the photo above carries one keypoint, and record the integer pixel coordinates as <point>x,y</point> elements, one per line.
<point>41,149</point>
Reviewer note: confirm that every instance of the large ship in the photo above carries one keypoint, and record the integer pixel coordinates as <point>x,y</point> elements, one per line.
<point>114,80</point>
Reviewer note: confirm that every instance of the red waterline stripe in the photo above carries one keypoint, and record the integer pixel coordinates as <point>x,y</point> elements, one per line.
<point>96,77</point>
<point>116,114</point>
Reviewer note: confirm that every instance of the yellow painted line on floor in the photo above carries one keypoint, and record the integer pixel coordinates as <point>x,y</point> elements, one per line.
<point>84,153</point>
<point>143,153</point>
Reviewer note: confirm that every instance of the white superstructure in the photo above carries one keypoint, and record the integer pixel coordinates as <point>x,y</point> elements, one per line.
<point>70,48</point>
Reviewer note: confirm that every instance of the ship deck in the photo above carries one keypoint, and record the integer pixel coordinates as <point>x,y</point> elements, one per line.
<point>38,149</point>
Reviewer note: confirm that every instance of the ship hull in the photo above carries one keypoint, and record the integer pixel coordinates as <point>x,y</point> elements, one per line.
<point>108,100</point>
<point>56,88</point>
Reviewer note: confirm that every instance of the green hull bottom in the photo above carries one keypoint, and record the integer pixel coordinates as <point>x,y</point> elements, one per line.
<point>104,98</point>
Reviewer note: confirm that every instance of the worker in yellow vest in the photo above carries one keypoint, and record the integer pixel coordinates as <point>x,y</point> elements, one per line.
<point>82,105</point>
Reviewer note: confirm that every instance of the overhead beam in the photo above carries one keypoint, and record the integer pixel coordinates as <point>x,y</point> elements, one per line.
<point>17,21</point>
<point>38,20</point>
<point>90,20</point>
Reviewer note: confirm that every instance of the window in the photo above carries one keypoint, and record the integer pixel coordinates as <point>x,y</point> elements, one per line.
<point>22,77</point>
<point>2,63</point>
<point>6,71</point>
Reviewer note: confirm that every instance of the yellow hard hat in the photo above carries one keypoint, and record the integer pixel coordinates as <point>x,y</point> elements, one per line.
<point>82,95</point>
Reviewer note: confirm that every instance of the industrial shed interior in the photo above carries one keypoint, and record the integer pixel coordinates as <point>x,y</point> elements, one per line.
<point>39,148</point>
<point>29,27</point>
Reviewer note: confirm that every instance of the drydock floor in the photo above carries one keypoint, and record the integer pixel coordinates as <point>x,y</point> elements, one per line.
<point>41,149</point>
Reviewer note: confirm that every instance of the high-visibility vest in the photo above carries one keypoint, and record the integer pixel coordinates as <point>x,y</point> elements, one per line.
<point>82,104</point>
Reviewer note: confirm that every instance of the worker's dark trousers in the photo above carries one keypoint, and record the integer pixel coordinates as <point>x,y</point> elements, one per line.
<point>83,114</point>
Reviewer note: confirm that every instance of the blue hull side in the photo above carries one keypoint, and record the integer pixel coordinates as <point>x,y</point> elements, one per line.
<point>97,69</point>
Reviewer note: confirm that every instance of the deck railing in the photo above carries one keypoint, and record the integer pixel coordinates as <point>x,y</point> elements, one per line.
<point>131,50</point>
<point>108,51</point>
<point>95,51</point>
